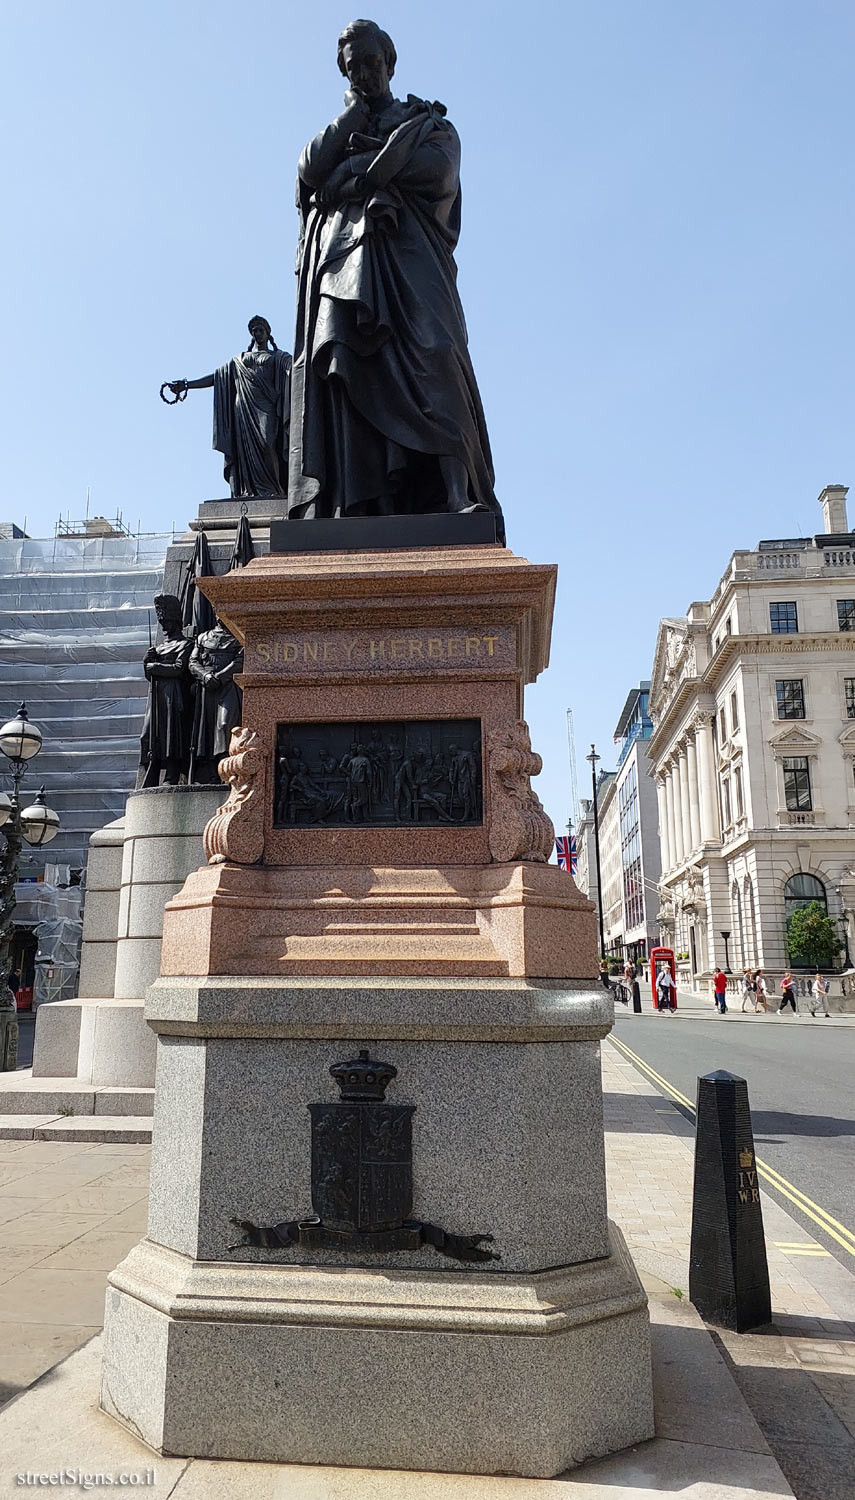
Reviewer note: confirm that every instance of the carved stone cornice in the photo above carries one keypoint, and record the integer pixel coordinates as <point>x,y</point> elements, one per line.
<point>730,650</point>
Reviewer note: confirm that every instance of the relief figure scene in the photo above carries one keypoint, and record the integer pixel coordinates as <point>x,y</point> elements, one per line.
<point>338,775</point>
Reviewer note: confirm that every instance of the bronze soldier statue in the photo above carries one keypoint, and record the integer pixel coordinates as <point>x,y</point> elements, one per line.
<point>214,661</point>
<point>165,739</point>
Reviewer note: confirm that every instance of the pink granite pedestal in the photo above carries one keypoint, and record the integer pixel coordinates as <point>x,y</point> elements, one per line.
<point>441,633</point>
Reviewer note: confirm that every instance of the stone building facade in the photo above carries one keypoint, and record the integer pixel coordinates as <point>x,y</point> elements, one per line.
<point>610,868</point>
<point>586,870</point>
<point>753,751</point>
<point>629,837</point>
<point>638,834</point>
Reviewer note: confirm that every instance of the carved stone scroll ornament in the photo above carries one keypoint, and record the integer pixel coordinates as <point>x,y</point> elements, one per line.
<point>519,827</point>
<point>236,831</point>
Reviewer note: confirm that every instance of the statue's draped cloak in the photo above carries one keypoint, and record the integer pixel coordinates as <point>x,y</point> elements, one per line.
<point>382,380</point>
<point>252,402</point>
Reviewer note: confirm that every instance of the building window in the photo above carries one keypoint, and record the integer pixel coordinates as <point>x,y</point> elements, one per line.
<point>797,784</point>
<point>748,903</point>
<point>729,626</point>
<point>799,891</point>
<point>846,614</point>
<point>849,684</point>
<point>790,693</point>
<point>737,788</point>
<point>722,725</point>
<point>734,713</point>
<point>725,788</point>
<point>784,618</point>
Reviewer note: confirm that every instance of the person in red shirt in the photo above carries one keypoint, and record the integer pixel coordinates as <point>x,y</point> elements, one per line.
<point>720,987</point>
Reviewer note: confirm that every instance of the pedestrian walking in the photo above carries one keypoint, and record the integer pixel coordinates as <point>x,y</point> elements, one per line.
<point>748,990</point>
<point>635,987</point>
<point>720,987</point>
<point>819,991</point>
<point>788,995</point>
<point>664,989</point>
<point>761,994</point>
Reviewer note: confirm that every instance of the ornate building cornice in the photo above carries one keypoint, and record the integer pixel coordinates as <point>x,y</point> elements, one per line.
<point>728,654</point>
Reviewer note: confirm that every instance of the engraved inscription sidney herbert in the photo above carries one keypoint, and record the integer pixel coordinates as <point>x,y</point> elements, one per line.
<point>361,650</point>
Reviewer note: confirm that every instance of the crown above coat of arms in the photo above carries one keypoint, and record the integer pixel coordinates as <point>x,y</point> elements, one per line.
<point>363,1078</point>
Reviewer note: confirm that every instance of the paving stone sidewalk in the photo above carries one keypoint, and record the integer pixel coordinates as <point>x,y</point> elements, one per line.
<point>68,1214</point>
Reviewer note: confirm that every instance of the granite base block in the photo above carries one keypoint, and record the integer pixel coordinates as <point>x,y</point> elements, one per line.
<point>57,1040</point>
<point>507,1132</point>
<point>116,1046</point>
<point>452,1371</point>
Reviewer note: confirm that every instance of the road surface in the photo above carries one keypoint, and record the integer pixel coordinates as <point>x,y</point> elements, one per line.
<point>800,1073</point>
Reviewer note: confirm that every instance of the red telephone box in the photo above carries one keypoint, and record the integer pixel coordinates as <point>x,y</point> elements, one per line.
<point>662,958</point>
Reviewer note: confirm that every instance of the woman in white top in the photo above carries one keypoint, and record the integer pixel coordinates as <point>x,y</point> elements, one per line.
<point>819,991</point>
<point>748,991</point>
<point>761,993</point>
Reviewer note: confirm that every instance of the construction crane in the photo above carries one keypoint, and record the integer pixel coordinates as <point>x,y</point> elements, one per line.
<point>574,786</point>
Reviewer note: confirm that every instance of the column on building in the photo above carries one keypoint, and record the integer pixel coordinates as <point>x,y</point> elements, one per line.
<point>664,845</point>
<point>671,795</point>
<point>706,779</point>
<point>685,820</point>
<point>694,804</point>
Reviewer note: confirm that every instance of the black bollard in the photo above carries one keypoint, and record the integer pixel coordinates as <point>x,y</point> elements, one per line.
<point>728,1273</point>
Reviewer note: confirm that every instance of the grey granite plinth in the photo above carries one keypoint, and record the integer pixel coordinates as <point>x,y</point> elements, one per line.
<point>456,1371</point>
<point>507,1130</point>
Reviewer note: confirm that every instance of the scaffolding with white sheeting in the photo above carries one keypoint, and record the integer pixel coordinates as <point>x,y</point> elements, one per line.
<point>75,614</point>
<point>76,619</point>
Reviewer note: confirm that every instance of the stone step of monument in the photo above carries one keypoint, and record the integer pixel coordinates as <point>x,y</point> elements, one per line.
<point>21,1093</point>
<point>382,950</point>
<point>121,1130</point>
<point>465,926</point>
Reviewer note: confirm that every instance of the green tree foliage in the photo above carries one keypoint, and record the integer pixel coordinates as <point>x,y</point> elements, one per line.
<point>812,937</point>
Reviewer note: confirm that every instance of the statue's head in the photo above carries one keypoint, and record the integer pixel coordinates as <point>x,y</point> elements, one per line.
<point>168,611</point>
<point>367,58</point>
<point>260,332</point>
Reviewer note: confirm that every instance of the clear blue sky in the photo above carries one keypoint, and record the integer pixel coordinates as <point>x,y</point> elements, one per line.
<point>656,265</point>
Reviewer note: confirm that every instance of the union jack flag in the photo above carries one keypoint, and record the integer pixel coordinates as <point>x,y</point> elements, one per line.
<point>565,848</point>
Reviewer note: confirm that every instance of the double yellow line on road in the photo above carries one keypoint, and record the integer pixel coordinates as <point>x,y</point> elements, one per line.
<point>832,1226</point>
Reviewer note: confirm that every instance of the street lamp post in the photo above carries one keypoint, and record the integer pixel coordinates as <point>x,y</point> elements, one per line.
<point>20,742</point>
<point>594,760</point>
<point>726,936</point>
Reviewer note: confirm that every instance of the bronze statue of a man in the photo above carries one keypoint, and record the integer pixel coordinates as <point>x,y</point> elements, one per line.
<point>252,404</point>
<point>214,661</point>
<point>165,739</point>
<point>386,417</point>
